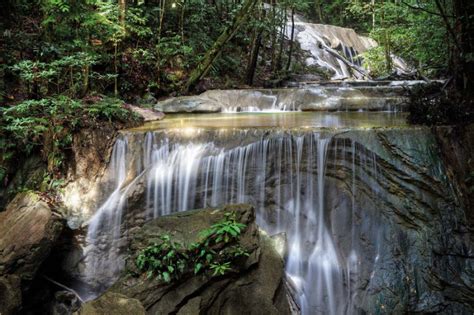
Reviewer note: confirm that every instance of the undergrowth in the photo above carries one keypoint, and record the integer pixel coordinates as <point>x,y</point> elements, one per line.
<point>215,253</point>
<point>46,127</point>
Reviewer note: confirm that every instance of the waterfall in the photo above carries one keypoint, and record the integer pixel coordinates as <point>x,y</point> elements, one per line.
<point>282,174</point>
<point>103,233</point>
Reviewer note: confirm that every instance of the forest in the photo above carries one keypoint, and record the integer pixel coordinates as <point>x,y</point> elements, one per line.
<point>319,114</point>
<point>57,54</point>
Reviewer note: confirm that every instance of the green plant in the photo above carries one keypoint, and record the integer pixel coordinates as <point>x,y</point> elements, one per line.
<point>166,260</point>
<point>48,124</point>
<point>220,269</point>
<point>226,230</point>
<point>215,252</point>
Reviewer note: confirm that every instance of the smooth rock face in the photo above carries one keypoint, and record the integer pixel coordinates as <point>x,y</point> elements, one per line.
<point>112,303</point>
<point>29,230</point>
<point>308,98</point>
<point>255,288</point>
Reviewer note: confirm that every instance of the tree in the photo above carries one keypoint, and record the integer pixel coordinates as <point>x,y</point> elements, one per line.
<point>203,67</point>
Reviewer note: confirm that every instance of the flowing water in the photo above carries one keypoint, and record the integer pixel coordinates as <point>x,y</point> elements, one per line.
<point>314,176</point>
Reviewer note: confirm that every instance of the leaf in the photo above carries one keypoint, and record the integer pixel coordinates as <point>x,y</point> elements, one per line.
<point>197,268</point>
<point>166,277</point>
<point>149,274</point>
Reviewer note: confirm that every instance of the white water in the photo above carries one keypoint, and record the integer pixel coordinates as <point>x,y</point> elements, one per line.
<point>103,234</point>
<point>337,49</point>
<point>187,175</point>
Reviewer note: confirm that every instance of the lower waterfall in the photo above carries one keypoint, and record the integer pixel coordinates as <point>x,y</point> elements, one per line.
<point>321,188</point>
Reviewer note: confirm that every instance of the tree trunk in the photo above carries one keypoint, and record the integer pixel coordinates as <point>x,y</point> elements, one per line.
<point>319,11</point>
<point>463,56</point>
<point>282,42</point>
<point>292,39</point>
<point>203,67</point>
<point>252,65</point>
<point>160,28</point>
<point>273,35</point>
<point>122,12</point>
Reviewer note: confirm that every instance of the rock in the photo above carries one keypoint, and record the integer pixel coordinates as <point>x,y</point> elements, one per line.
<point>10,294</point>
<point>457,150</point>
<point>257,287</point>
<point>308,98</point>
<point>187,104</point>
<point>29,175</point>
<point>86,178</point>
<point>147,114</point>
<point>65,303</point>
<point>112,303</point>
<point>29,229</point>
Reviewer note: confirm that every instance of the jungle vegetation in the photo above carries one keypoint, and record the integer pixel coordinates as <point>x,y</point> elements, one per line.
<point>72,64</point>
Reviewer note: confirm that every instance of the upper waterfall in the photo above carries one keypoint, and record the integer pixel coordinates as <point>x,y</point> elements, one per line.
<point>337,49</point>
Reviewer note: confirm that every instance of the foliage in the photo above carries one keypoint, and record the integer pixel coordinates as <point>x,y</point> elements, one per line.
<point>74,47</point>
<point>432,105</point>
<point>216,252</point>
<point>48,124</point>
<point>374,61</point>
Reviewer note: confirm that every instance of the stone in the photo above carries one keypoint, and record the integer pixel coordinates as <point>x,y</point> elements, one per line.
<point>29,229</point>
<point>349,97</point>
<point>147,114</point>
<point>256,287</point>
<point>10,294</point>
<point>112,303</point>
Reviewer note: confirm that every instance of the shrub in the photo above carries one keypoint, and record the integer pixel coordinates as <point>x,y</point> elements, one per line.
<point>216,252</point>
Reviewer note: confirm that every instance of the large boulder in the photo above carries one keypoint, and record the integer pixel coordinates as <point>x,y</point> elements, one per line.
<point>255,287</point>
<point>29,229</point>
<point>112,303</point>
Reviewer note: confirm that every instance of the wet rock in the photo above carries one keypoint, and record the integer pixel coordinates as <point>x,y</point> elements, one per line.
<point>29,229</point>
<point>112,303</point>
<point>256,287</point>
<point>10,294</point>
<point>87,181</point>
<point>65,303</point>
<point>307,98</point>
<point>187,104</point>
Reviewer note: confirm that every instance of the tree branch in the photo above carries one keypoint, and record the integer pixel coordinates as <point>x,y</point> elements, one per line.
<point>419,8</point>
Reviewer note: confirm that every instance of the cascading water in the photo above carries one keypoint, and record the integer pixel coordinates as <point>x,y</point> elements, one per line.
<point>103,235</point>
<point>282,174</point>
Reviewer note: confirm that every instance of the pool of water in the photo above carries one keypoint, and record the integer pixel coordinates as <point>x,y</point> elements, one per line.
<point>336,120</point>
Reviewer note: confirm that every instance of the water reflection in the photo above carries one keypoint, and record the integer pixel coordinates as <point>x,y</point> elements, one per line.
<point>283,120</point>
